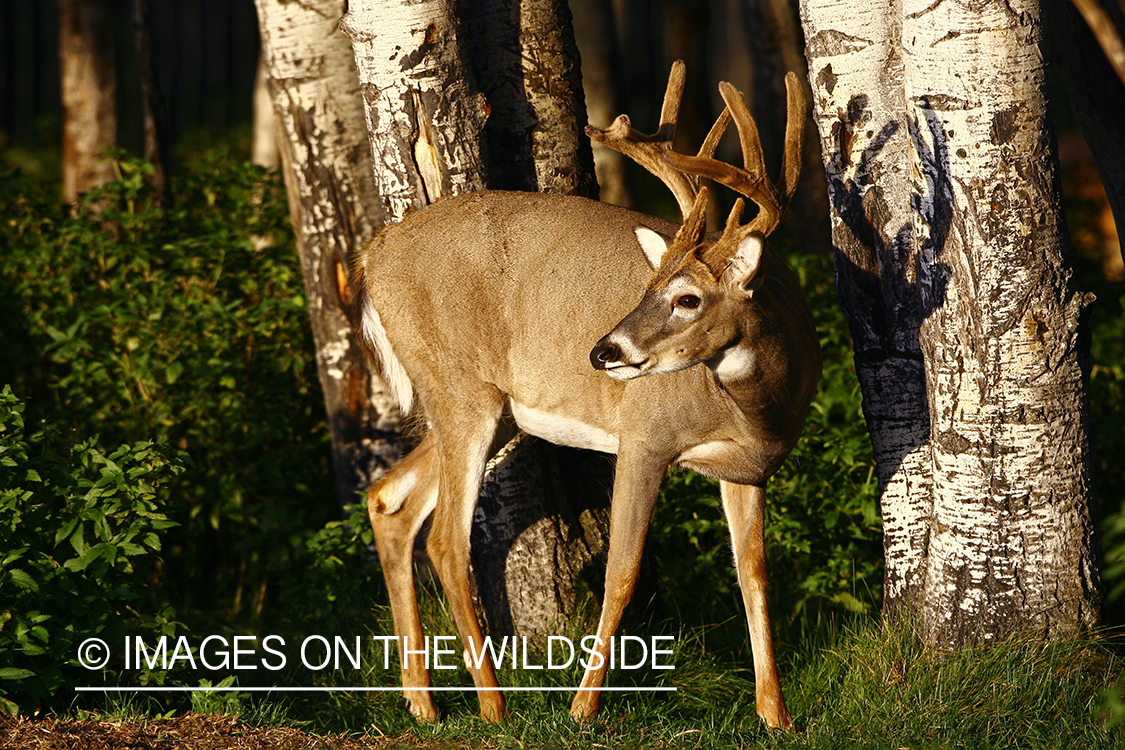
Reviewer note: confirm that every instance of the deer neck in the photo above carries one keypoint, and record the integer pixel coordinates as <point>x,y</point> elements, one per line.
<point>758,375</point>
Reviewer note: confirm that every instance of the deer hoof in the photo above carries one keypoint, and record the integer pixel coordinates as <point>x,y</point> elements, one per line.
<point>583,708</point>
<point>421,708</point>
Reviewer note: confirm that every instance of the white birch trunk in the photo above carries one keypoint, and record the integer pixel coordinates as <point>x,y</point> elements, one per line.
<point>1011,540</point>
<point>951,264</point>
<point>326,162</point>
<point>857,79</point>
<point>423,119</point>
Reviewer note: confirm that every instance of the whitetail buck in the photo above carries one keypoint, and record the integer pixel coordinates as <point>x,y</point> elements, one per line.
<point>495,304</point>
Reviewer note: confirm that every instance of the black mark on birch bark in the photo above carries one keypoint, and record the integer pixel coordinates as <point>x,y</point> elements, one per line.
<point>428,43</point>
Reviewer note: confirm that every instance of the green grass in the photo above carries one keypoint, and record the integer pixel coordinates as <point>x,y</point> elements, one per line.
<point>857,685</point>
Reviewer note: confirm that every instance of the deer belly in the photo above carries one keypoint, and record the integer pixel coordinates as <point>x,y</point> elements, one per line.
<point>563,430</point>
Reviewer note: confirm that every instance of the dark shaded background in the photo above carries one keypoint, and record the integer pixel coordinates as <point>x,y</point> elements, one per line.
<point>206,54</point>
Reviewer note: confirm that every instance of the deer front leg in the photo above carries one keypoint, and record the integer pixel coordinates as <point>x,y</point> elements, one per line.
<point>464,454</point>
<point>635,487</point>
<point>744,506</point>
<point>398,505</point>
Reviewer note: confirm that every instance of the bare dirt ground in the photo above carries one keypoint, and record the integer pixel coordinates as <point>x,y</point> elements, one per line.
<point>194,731</point>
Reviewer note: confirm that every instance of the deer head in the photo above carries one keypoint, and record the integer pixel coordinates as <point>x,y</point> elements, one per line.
<point>688,312</point>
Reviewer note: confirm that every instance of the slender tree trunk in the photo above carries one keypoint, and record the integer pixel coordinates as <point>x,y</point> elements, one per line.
<point>1096,93</point>
<point>595,30</point>
<point>952,267</point>
<point>856,73</point>
<point>89,90</point>
<point>775,38</point>
<point>335,209</point>
<point>264,136</point>
<point>152,101</point>
<point>426,119</point>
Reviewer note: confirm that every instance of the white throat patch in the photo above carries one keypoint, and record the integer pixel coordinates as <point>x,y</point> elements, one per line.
<point>733,363</point>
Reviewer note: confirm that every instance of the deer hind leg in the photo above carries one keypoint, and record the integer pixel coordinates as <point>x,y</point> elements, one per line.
<point>635,487</point>
<point>465,439</point>
<point>398,505</point>
<point>744,506</point>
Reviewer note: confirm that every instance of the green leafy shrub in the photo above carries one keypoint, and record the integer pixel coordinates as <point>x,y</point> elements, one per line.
<point>1107,399</point>
<point>339,577</point>
<point>80,532</point>
<point>187,324</point>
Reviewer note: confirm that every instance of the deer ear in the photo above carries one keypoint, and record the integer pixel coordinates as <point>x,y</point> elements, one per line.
<point>653,244</point>
<point>745,263</point>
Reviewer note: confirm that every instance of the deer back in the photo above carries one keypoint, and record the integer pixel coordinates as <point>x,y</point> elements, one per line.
<point>512,290</point>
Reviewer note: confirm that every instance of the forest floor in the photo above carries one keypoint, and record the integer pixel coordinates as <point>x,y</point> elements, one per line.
<point>195,731</point>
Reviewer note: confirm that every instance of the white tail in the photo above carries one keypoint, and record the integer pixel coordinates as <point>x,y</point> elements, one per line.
<point>498,303</point>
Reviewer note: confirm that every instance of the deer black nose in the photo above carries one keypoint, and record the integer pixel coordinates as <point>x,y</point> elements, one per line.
<point>603,354</point>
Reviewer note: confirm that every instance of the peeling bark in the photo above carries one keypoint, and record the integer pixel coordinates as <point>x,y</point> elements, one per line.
<point>423,117</point>
<point>326,162</point>
<point>952,267</point>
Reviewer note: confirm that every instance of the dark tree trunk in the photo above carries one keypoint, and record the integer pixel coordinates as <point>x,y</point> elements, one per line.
<point>152,101</point>
<point>1095,91</point>
<point>775,39</point>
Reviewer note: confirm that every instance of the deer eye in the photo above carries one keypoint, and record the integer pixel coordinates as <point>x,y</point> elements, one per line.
<point>687,301</point>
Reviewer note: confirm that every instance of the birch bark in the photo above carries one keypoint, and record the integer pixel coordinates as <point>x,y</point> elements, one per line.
<point>423,119</point>
<point>326,162</point>
<point>952,266</point>
<point>856,74</point>
<point>1011,543</point>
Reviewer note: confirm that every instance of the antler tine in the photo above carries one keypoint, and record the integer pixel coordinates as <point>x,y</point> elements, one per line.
<point>711,142</point>
<point>752,157</point>
<point>794,134</point>
<point>751,181</point>
<point>673,95</point>
<point>648,150</point>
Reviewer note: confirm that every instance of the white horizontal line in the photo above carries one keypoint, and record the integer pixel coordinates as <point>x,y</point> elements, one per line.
<point>218,689</point>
